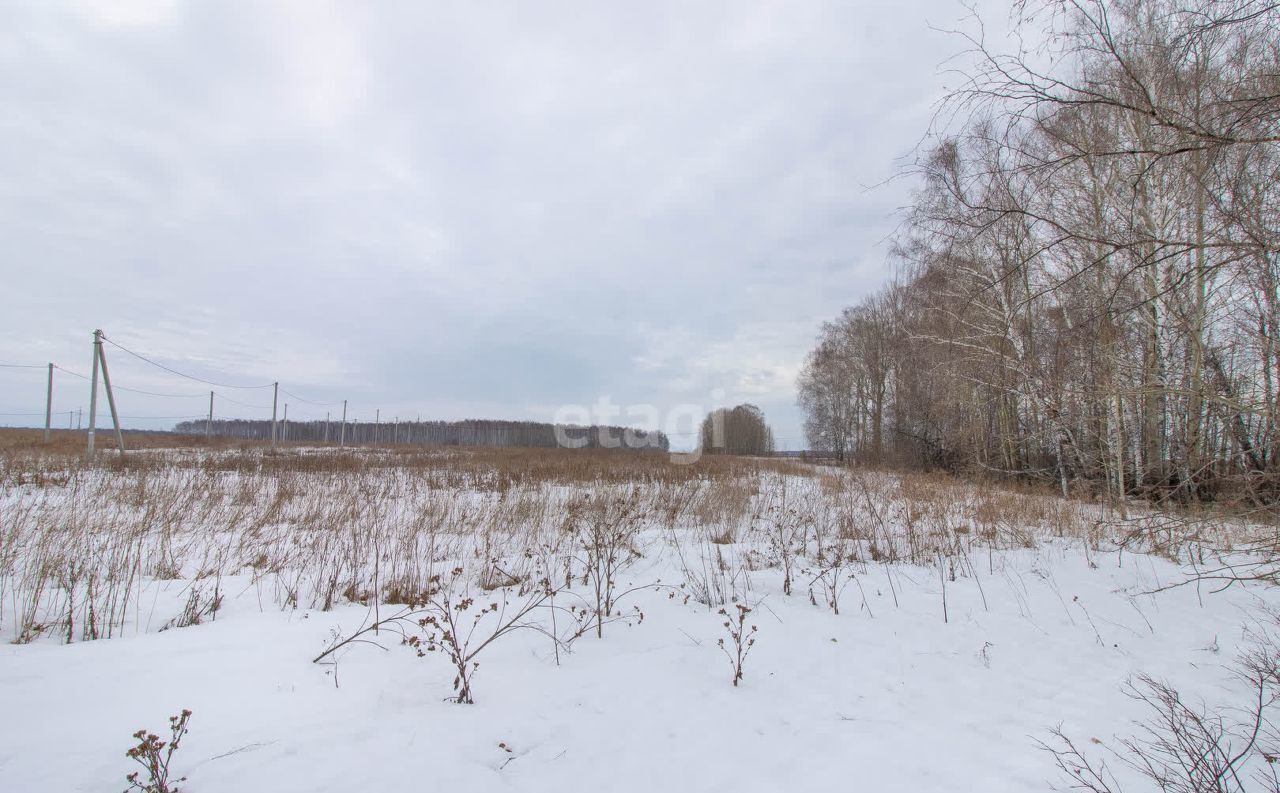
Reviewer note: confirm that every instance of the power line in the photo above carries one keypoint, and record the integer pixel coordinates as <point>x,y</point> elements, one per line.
<point>134,390</point>
<point>157,418</point>
<point>220,395</point>
<point>68,371</point>
<point>779,441</point>
<point>154,394</point>
<point>311,402</point>
<point>142,357</point>
<point>241,404</point>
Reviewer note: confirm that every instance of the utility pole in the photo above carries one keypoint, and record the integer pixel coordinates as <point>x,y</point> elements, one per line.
<point>284,425</point>
<point>275,398</point>
<point>377,423</point>
<point>48,406</point>
<point>93,395</point>
<point>111,397</point>
<point>208,424</point>
<point>326,426</point>
<point>342,434</point>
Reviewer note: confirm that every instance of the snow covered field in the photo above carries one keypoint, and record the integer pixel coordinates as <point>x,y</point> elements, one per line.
<point>1044,622</point>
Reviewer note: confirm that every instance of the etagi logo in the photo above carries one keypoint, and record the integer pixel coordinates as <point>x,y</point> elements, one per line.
<point>598,425</point>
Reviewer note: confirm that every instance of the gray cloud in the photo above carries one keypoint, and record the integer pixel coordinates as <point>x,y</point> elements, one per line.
<point>450,209</point>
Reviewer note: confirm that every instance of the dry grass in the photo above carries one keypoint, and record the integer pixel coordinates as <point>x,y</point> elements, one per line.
<point>313,528</point>
<point>72,442</point>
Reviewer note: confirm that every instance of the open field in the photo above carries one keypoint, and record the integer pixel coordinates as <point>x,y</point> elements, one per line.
<point>664,397</point>
<point>911,632</point>
<point>69,443</point>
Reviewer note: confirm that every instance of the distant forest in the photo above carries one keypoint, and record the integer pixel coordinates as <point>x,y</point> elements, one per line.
<point>472,432</point>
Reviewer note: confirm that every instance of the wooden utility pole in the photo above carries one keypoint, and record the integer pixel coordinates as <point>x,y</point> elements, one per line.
<point>342,434</point>
<point>275,398</point>
<point>326,426</point>
<point>111,397</point>
<point>208,424</point>
<point>48,406</point>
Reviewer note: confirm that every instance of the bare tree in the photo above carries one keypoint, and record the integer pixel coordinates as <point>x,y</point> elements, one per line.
<point>742,430</point>
<point>1088,270</point>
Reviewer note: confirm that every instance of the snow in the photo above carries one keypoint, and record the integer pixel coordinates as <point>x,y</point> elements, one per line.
<point>885,696</point>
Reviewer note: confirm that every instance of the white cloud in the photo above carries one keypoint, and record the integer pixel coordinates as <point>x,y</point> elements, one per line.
<point>129,13</point>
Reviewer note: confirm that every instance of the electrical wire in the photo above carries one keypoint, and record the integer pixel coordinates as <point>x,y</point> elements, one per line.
<point>311,402</point>
<point>68,371</point>
<point>158,418</point>
<point>226,398</point>
<point>115,387</point>
<point>142,357</point>
<point>221,396</point>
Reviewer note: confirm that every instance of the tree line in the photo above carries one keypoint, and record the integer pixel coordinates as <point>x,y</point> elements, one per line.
<point>1087,275</point>
<point>472,432</point>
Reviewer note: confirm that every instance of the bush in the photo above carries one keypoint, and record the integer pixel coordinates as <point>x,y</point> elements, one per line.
<point>741,640</point>
<point>154,755</point>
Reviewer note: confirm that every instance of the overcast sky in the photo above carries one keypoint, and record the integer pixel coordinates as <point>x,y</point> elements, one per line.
<point>449,209</point>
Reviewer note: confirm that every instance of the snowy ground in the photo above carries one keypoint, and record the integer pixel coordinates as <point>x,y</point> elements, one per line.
<point>883,696</point>
<point>894,701</point>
